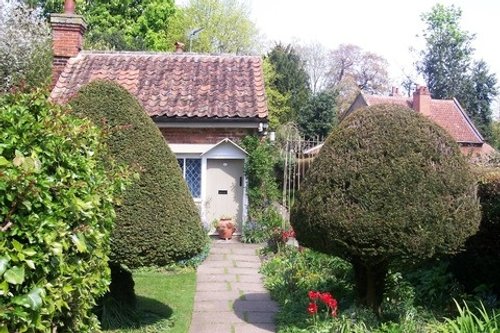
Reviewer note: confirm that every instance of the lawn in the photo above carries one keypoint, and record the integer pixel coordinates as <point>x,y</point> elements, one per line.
<point>164,301</point>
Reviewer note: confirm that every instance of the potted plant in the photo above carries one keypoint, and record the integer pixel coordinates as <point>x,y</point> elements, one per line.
<point>225,227</point>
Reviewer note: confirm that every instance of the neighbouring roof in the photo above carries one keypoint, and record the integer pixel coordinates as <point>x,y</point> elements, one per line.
<point>446,113</point>
<point>174,84</point>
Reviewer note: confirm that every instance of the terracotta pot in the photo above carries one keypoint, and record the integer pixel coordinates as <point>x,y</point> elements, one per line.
<point>225,228</point>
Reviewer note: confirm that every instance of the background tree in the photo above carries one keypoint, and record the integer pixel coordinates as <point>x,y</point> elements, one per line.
<point>315,58</point>
<point>291,78</point>
<point>25,49</point>
<point>277,103</point>
<point>375,199</point>
<point>226,25</point>
<point>318,116</point>
<point>351,69</point>
<point>478,94</point>
<point>448,68</point>
<point>121,25</point>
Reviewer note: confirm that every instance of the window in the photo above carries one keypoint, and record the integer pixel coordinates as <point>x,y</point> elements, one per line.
<point>191,170</point>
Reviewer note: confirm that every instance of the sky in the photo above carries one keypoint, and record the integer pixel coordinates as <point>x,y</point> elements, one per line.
<point>386,27</point>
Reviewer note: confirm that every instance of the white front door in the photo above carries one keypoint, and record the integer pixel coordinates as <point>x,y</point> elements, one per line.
<point>225,185</point>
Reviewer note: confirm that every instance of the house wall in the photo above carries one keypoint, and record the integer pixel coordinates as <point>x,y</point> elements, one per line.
<point>204,135</point>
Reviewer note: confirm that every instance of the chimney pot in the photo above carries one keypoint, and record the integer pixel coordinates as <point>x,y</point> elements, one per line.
<point>69,6</point>
<point>179,47</point>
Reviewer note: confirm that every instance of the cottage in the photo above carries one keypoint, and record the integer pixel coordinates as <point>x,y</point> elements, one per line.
<point>203,105</point>
<point>446,113</point>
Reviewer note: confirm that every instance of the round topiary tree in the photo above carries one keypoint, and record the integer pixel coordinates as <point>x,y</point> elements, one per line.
<point>387,185</point>
<point>158,222</point>
<point>57,189</point>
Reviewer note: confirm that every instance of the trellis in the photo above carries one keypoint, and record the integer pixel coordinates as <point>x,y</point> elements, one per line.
<point>297,154</point>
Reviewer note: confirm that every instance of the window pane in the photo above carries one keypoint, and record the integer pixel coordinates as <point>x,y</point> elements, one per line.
<point>193,176</point>
<point>181,164</point>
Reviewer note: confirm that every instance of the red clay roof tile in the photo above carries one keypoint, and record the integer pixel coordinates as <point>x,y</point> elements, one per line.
<point>446,113</point>
<point>174,85</point>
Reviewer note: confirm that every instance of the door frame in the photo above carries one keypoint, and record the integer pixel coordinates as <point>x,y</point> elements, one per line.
<point>225,149</point>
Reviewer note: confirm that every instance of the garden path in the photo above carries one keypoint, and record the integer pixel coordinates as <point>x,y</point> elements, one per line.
<point>230,296</point>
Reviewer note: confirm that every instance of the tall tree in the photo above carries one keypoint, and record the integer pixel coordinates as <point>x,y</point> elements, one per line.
<point>315,57</point>
<point>25,49</point>
<point>121,25</point>
<point>226,25</point>
<point>448,54</point>
<point>318,116</point>
<point>291,77</point>
<point>351,69</point>
<point>477,96</point>
<point>277,103</point>
<point>448,66</point>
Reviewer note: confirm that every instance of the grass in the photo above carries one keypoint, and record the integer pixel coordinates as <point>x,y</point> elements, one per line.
<point>164,302</point>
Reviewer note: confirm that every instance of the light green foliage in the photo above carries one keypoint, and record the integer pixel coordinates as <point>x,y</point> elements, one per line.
<point>479,320</point>
<point>277,102</point>
<point>495,130</point>
<point>449,68</point>
<point>262,189</point>
<point>290,79</point>
<point>121,25</point>
<point>388,184</point>
<point>226,25</point>
<point>129,25</point>
<point>158,222</point>
<point>56,213</point>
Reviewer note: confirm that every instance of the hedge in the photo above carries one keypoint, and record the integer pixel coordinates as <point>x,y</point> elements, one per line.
<point>56,214</point>
<point>158,222</point>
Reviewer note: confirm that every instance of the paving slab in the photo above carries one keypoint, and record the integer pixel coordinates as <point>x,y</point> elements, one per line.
<point>230,296</point>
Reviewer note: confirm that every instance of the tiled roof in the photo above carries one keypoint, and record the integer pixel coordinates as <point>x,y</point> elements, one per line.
<point>446,113</point>
<point>174,85</point>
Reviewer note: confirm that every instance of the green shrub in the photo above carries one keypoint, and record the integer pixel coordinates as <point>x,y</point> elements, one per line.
<point>56,215</point>
<point>158,222</point>
<point>388,185</point>
<point>480,263</point>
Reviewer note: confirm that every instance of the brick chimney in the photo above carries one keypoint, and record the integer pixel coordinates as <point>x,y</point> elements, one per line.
<point>422,100</point>
<point>67,37</point>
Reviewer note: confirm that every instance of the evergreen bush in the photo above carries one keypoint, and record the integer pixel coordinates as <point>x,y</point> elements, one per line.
<point>158,222</point>
<point>480,263</point>
<point>56,214</point>
<point>388,185</point>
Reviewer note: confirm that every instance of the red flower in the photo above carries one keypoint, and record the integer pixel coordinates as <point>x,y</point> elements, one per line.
<point>326,298</point>
<point>312,309</point>
<point>314,295</point>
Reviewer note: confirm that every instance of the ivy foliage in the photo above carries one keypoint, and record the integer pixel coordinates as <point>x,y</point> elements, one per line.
<point>259,169</point>
<point>387,185</point>
<point>56,214</point>
<point>158,222</point>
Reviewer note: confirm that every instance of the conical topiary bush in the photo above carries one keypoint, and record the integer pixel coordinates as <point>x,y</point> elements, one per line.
<point>158,222</point>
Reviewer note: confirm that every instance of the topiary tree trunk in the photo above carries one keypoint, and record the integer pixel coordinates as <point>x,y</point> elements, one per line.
<point>370,283</point>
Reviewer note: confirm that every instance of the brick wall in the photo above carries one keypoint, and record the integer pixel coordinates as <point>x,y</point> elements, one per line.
<point>67,40</point>
<point>204,135</point>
